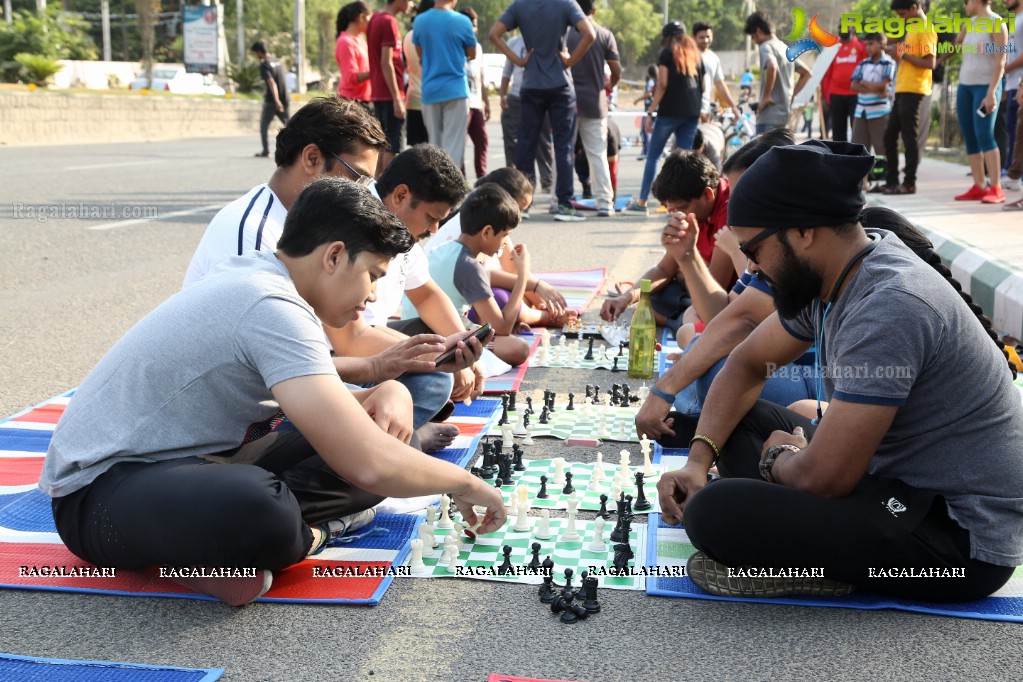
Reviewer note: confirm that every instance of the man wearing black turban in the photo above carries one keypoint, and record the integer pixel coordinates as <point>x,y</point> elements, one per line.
<point>902,487</point>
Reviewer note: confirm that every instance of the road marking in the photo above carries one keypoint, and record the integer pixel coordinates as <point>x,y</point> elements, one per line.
<point>113,165</point>
<point>136,221</point>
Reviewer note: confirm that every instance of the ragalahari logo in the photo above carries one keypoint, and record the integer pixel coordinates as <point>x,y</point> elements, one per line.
<point>818,40</point>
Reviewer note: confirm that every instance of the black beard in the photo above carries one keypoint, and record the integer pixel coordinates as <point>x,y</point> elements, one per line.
<point>795,286</point>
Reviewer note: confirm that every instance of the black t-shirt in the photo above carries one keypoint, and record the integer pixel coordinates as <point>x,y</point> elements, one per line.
<point>271,67</point>
<point>684,94</point>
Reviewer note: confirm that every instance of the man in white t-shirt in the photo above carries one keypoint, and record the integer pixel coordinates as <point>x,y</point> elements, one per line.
<point>714,77</point>
<point>333,137</point>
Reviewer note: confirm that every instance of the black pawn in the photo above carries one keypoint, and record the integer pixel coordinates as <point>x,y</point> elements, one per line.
<point>547,593</point>
<point>590,602</point>
<point>498,448</point>
<point>621,348</point>
<point>487,471</point>
<point>545,416</point>
<point>589,351</point>
<point>614,365</point>
<point>568,489</point>
<point>616,394</point>
<point>525,419</point>
<point>542,495</point>
<point>603,513</point>
<point>589,392</point>
<point>626,395</point>
<point>534,564</point>
<point>506,566</point>
<point>504,408</point>
<point>596,393</point>
<point>628,507</point>
<point>517,458</point>
<point>563,605</point>
<point>571,401</point>
<point>568,579</point>
<point>642,504</point>
<point>498,482</point>
<point>529,404</point>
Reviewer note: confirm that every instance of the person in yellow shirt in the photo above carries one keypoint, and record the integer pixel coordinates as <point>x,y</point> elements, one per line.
<point>916,60</point>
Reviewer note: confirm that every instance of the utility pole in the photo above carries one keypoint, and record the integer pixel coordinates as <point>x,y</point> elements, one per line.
<point>105,18</point>
<point>300,44</point>
<point>8,12</point>
<point>240,13</point>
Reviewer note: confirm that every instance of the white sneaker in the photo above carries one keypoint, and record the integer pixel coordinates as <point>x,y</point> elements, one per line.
<point>1010,185</point>
<point>346,525</point>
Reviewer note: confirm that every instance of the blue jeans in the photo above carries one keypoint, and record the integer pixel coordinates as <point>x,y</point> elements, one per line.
<point>784,387</point>
<point>978,133</point>
<point>684,130</point>
<point>559,105</point>
<point>430,392</point>
<point>671,301</point>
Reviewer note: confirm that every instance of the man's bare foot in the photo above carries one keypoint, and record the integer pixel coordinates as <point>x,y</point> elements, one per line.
<point>434,437</point>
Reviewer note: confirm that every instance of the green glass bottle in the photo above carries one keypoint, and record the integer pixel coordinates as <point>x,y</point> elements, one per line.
<point>642,336</point>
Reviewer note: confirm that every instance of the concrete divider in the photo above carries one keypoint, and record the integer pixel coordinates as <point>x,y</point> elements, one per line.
<point>35,118</point>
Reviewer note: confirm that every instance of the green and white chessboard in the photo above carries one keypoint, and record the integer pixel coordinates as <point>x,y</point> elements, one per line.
<point>559,356</point>
<point>582,474</point>
<point>479,559</point>
<point>619,424</point>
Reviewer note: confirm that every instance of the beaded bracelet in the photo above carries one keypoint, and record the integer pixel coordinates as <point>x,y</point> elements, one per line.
<point>708,441</point>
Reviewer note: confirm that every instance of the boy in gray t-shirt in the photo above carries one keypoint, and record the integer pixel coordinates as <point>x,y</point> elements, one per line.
<point>776,85</point>
<point>162,456</point>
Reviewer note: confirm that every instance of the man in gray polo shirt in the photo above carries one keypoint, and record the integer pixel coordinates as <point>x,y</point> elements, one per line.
<point>776,87</point>
<point>546,85</point>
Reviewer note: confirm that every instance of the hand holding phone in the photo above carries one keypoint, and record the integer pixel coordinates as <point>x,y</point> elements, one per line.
<point>480,334</point>
<point>982,112</point>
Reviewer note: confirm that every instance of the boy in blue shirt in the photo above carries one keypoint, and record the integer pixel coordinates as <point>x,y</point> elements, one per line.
<point>872,81</point>
<point>488,216</point>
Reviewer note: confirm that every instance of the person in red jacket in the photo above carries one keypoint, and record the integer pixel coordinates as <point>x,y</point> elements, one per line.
<point>836,85</point>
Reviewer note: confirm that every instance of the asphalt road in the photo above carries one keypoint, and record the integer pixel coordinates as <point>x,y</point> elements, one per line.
<point>69,287</point>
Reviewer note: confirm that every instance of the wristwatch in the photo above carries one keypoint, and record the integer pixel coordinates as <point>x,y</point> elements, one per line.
<point>767,463</point>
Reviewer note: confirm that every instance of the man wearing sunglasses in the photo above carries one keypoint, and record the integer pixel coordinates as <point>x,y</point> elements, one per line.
<point>336,137</point>
<point>902,487</point>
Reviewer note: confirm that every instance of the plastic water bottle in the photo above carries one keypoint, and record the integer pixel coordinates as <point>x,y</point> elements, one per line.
<point>642,336</point>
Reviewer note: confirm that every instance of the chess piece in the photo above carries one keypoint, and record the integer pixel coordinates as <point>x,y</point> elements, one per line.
<point>571,402</point>
<point>623,554</point>
<point>547,593</point>
<point>416,565</point>
<point>645,447</point>
<point>517,458</point>
<point>520,425</point>
<point>529,404</point>
<point>534,564</point>
<point>568,579</point>
<point>625,471</point>
<point>559,471</point>
<point>445,522</point>
<point>511,402</point>
<point>528,440</point>
<point>596,394</point>
<point>507,435</point>
<point>589,351</point>
<point>603,513</point>
<point>642,504</point>
<point>570,533</point>
<point>522,520</point>
<point>543,529</point>
<point>506,565</point>
<point>596,543</point>
<point>590,602</point>
<point>487,472</point>
<point>426,535</point>
<point>614,365</point>
<point>616,394</point>
<point>621,348</point>
<point>569,488</point>
<point>431,516</point>
<point>543,495</point>
<point>545,415</point>
<point>563,604</point>
<point>504,409</point>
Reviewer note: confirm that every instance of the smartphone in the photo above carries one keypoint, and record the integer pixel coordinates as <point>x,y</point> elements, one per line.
<point>982,112</point>
<point>480,334</point>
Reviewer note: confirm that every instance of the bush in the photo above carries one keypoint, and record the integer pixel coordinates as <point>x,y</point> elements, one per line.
<point>245,77</point>
<point>37,69</point>
<point>54,35</point>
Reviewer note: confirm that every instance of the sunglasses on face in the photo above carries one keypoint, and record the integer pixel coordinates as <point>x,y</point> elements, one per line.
<point>357,177</point>
<point>748,249</point>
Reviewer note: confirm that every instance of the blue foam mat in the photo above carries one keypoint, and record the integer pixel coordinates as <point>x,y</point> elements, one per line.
<point>1008,609</point>
<point>14,667</point>
<point>486,408</point>
<point>27,440</point>
<point>30,511</point>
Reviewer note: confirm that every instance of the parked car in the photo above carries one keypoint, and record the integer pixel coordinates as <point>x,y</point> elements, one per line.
<point>177,81</point>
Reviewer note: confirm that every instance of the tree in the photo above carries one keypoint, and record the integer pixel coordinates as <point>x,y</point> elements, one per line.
<point>637,29</point>
<point>146,11</point>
